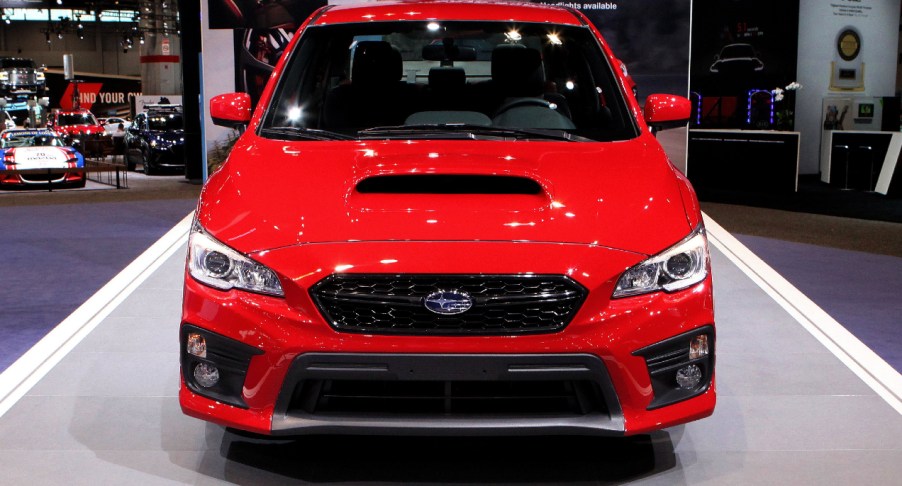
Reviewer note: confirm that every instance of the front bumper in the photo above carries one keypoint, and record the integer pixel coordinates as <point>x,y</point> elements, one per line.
<point>169,158</point>
<point>292,354</point>
<point>41,178</point>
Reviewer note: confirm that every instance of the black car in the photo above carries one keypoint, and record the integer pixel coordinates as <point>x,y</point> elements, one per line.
<point>156,139</point>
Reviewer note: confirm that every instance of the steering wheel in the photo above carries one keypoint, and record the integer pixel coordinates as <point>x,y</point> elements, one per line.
<point>524,102</point>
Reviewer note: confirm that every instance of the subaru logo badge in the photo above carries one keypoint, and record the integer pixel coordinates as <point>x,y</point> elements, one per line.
<point>448,302</point>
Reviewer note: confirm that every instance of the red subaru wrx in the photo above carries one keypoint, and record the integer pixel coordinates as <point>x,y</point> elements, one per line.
<point>448,218</point>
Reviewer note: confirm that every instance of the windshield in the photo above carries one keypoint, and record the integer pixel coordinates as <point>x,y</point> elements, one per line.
<point>77,119</point>
<point>29,140</point>
<point>391,79</point>
<point>165,121</point>
<point>737,51</point>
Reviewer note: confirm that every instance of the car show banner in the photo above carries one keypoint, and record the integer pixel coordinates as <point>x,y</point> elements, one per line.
<point>104,95</point>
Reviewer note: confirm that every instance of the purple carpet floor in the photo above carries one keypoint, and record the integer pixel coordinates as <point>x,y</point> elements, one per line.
<point>862,291</point>
<point>57,256</point>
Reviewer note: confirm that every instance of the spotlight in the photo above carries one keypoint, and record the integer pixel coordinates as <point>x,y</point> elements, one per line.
<point>141,39</point>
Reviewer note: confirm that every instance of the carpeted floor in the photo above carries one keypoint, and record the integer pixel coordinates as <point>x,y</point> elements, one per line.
<point>60,248</point>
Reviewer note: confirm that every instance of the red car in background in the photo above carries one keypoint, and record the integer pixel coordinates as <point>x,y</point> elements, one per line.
<point>448,218</point>
<point>75,126</point>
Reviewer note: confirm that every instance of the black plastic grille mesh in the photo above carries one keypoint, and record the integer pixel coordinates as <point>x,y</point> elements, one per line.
<point>395,304</point>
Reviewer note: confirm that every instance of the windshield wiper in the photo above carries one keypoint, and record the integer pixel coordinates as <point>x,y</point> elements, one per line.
<point>464,130</point>
<point>301,133</point>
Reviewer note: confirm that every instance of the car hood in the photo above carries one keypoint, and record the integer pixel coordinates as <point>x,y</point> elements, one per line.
<point>171,137</point>
<point>273,194</point>
<point>79,129</point>
<point>40,157</point>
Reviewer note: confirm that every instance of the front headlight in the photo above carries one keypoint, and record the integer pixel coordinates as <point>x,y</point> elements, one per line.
<point>39,76</point>
<point>680,266</point>
<point>4,76</point>
<point>212,263</point>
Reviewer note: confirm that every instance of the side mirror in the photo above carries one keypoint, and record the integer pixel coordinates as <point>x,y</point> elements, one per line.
<point>232,110</point>
<point>663,111</point>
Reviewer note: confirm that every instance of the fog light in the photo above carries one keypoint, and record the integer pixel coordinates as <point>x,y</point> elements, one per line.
<point>197,345</point>
<point>206,375</point>
<point>687,377</point>
<point>698,347</point>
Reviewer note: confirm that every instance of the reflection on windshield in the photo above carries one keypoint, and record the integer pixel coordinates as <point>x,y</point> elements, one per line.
<point>166,122</point>
<point>82,119</point>
<point>31,141</point>
<point>350,78</point>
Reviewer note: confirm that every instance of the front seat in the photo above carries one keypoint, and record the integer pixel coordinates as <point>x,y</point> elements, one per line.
<point>518,77</point>
<point>376,96</point>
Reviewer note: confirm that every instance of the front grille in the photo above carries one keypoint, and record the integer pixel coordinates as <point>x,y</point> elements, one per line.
<point>395,304</point>
<point>22,78</point>
<point>174,155</point>
<point>41,177</point>
<point>565,397</point>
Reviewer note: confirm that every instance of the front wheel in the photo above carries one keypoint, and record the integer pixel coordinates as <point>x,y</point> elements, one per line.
<point>148,170</point>
<point>129,161</point>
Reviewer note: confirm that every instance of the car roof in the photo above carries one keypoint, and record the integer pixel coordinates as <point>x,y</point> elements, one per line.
<point>75,112</point>
<point>171,108</point>
<point>28,131</point>
<point>420,10</point>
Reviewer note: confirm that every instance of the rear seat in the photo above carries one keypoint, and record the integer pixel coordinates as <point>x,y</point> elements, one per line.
<point>376,96</point>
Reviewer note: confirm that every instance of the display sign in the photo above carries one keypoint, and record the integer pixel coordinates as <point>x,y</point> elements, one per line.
<point>738,52</point>
<point>102,95</point>
<point>847,68</point>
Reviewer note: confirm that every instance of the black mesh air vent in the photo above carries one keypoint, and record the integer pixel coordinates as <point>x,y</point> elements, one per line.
<point>448,184</point>
<point>395,304</point>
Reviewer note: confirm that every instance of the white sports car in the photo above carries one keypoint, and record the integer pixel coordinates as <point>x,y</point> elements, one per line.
<point>38,157</point>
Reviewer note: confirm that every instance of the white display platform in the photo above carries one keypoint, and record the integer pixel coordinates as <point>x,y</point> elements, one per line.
<point>798,402</point>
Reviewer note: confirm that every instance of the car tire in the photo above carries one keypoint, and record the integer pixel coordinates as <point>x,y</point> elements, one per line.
<point>148,170</point>
<point>130,165</point>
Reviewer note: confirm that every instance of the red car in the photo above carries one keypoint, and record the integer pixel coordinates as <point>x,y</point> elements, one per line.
<point>448,218</point>
<point>75,126</point>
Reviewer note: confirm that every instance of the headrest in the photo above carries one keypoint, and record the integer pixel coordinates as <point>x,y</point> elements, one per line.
<point>376,63</point>
<point>517,70</point>
<point>447,78</point>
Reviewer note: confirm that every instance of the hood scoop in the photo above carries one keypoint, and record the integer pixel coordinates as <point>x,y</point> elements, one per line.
<point>448,184</point>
